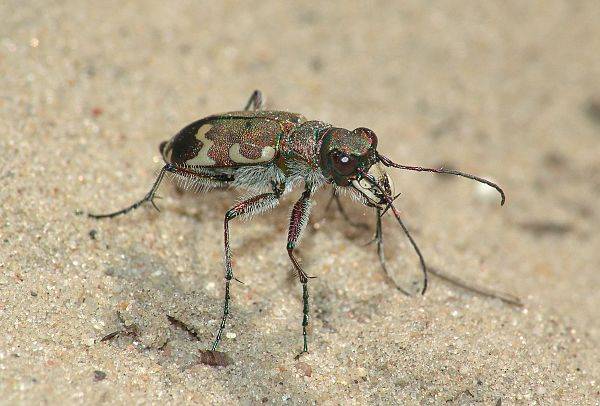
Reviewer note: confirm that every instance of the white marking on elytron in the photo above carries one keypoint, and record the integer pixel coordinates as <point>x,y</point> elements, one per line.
<point>266,155</point>
<point>202,157</point>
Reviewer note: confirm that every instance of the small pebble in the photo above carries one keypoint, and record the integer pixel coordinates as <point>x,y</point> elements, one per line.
<point>304,368</point>
<point>99,376</point>
<point>214,358</point>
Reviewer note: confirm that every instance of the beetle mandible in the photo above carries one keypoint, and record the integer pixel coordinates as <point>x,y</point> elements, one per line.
<point>270,152</point>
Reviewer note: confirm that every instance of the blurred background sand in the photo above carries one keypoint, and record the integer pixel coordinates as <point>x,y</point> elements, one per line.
<point>503,89</point>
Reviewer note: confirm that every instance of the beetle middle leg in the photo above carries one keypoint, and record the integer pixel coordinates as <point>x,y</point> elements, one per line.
<point>255,101</point>
<point>254,205</point>
<point>298,221</point>
<point>151,195</point>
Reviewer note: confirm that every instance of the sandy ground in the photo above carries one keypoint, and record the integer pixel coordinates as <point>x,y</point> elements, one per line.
<point>506,89</point>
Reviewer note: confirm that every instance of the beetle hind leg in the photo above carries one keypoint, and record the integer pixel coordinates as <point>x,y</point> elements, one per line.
<point>199,183</point>
<point>150,196</point>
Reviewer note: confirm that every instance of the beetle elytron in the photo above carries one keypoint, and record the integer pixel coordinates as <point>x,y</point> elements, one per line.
<point>270,152</point>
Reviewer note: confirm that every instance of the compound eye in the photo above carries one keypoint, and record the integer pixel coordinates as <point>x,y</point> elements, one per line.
<point>369,134</point>
<point>344,164</point>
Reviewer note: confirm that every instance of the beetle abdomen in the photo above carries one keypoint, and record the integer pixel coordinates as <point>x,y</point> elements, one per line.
<point>228,140</point>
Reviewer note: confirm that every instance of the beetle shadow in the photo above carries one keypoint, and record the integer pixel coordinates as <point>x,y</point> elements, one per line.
<point>157,312</point>
<point>152,311</point>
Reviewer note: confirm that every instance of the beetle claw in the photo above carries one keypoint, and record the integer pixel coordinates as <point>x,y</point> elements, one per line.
<point>297,357</point>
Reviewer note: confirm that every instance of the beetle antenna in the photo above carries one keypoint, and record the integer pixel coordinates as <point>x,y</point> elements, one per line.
<point>389,162</point>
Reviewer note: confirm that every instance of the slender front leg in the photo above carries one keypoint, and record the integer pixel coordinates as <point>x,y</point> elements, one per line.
<point>254,205</point>
<point>255,101</point>
<point>151,195</point>
<point>298,221</point>
<point>378,239</point>
<point>335,197</point>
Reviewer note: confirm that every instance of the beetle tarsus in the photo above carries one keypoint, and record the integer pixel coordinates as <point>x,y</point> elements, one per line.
<point>154,204</point>
<point>151,195</point>
<point>148,198</point>
<point>299,355</point>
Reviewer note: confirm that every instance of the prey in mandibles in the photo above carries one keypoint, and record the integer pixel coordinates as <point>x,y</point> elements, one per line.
<point>268,153</point>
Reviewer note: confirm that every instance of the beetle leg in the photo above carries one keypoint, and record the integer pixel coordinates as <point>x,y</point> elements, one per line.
<point>254,205</point>
<point>335,197</point>
<point>298,221</point>
<point>255,101</point>
<point>378,239</point>
<point>151,195</point>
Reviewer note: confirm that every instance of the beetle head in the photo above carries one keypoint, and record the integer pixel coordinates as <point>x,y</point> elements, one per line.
<point>348,158</point>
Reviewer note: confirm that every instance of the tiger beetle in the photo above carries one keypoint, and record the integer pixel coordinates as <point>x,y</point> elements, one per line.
<point>268,153</point>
